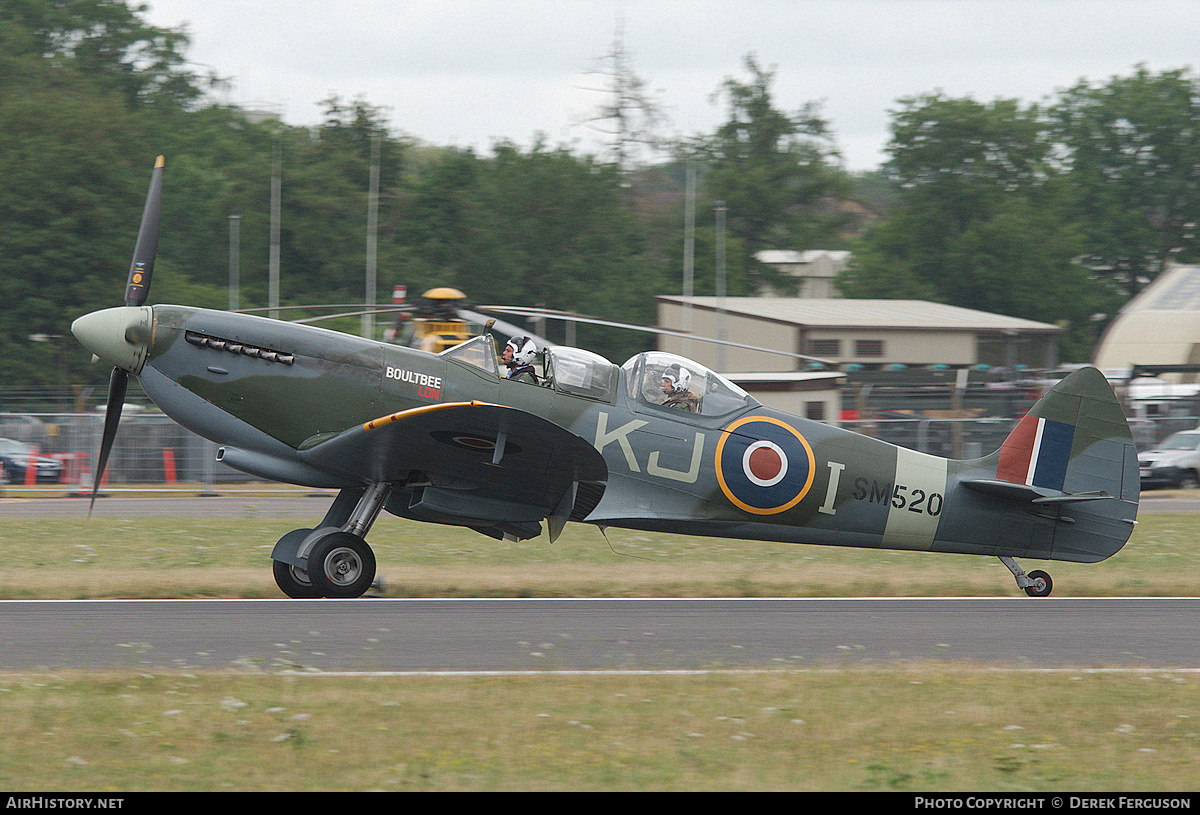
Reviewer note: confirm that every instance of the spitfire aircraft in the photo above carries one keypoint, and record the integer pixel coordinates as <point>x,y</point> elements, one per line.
<point>446,438</point>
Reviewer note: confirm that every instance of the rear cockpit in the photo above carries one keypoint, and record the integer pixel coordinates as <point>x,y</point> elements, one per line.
<point>707,392</point>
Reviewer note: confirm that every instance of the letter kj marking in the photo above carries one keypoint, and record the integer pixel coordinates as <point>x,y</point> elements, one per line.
<point>765,467</point>
<point>620,436</point>
<point>690,475</point>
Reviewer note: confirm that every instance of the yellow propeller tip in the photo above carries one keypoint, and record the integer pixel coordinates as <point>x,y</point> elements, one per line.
<point>160,162</point>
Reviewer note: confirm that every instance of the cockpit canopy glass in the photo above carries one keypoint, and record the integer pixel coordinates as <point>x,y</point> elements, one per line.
<point>479,352</point>
<point>714,394</point>
<point>580,373</point>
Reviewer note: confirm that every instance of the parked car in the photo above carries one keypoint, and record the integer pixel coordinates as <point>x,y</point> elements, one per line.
<point>1174,462</point>
<point>15,456</point>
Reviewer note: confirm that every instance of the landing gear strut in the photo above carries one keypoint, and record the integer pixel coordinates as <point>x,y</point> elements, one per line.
<point>1036,584</point>
<point>333,560</point>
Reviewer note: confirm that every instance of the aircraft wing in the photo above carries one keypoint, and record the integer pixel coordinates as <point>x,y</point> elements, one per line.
<point>471,463</point>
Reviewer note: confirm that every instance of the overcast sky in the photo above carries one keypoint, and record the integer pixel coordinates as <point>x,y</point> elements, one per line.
<point>468,73</point>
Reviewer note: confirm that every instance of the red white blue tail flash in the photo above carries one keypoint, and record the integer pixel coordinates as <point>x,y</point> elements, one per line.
<point>1037,453</point>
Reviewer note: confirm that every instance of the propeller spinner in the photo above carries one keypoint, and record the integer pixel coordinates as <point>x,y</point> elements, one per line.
<point>120,336</point>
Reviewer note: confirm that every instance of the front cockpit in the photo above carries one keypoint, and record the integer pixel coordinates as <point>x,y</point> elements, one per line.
<point>572,371</point>
<point>581,373</point>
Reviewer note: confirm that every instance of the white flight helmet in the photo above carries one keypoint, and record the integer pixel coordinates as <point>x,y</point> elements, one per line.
<point>523,350</point>
<point>679,377</point>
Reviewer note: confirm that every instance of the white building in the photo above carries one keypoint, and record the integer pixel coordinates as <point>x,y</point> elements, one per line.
<point>816,269</point>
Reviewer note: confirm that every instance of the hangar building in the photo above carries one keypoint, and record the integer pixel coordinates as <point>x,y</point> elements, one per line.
<point>867,334</point>
<point>1161,326</point>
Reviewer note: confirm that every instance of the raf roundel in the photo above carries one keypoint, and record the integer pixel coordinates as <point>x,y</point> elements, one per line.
<point>764,466</point>
<point>764,463</point>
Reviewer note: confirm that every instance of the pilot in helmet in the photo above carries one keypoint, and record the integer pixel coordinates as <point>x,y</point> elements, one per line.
<point>518,356</point>
<point>675,382</point>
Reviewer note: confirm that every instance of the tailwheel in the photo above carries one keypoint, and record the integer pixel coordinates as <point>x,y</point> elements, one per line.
<point>341,565</point>
<point>1036,584</point>
<point>1040,584</point>
<point>293,581</point>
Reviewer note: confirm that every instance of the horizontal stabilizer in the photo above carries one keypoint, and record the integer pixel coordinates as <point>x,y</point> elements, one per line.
<point>1065,498</point>
<point>1032,494</point>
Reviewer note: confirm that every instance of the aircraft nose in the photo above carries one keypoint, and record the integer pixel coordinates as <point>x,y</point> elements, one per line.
<point>120,336</point>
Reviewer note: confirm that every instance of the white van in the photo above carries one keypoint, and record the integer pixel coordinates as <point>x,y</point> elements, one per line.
<point>1174,462</point>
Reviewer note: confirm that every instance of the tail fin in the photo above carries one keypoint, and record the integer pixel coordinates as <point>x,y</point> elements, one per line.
<point>1074,452</point>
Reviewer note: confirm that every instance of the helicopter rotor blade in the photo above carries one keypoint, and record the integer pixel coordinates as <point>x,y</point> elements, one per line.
<point>507,328</point>
<point>579,318</point>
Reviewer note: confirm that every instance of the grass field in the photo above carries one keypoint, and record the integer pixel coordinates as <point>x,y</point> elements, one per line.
<point>230,557</point>
<point>928,727</point>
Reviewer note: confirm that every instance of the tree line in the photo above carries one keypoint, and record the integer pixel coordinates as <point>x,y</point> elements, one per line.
<point>1057,212</point>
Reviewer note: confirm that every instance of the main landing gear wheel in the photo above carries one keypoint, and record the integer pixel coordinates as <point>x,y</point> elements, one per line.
<point>1041,586</point>
<point>294,582</point>
<point>341,565</point>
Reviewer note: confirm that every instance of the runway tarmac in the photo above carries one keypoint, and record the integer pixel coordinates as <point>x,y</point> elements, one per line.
<point>374,634</point>
<point>386,635</point>
<point>181,504</point>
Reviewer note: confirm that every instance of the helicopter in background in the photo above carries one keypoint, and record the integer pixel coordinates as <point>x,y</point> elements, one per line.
<point>441,318</point>
<point>433,323</point>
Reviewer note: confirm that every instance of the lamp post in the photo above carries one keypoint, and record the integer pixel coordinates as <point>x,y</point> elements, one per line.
<point>720,206</point>
<point>235,252</point>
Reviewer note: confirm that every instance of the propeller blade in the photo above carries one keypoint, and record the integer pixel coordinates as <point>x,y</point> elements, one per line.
<point>118,383</point>
<point>136,289</point>
<point>142,268</point>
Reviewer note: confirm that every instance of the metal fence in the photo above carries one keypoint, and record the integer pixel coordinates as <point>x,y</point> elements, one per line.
<point>148,449</point>
<point>151,449</point>
<point>973,438</point>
